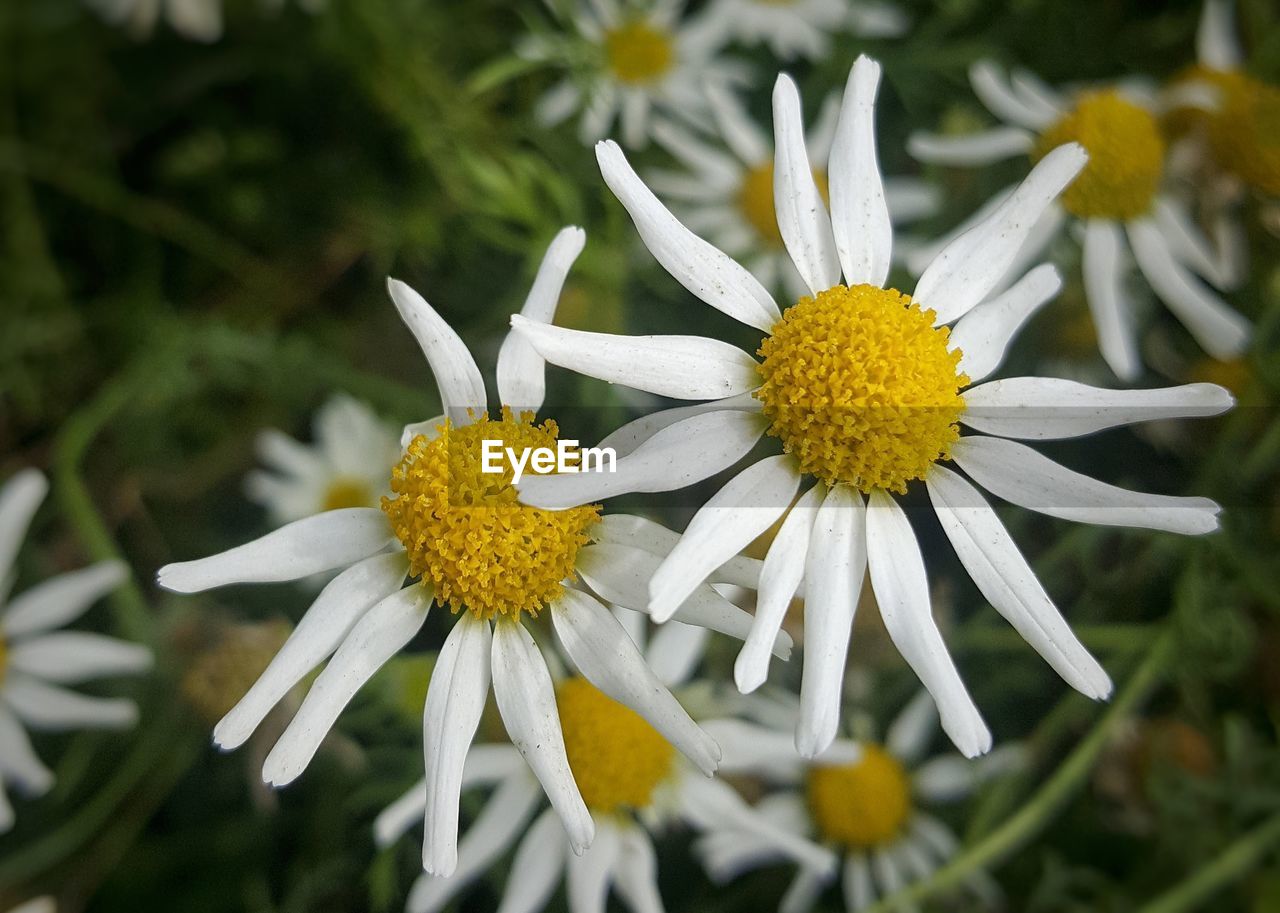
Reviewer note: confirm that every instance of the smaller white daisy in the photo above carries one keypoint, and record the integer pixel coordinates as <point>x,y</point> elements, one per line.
<point>625,61</point>
<point>800,28</point>
<point>346,466</point>
<point>37,660</point>
<point>1119,203</point>
<point>862,798</point>
<point>634,783</point>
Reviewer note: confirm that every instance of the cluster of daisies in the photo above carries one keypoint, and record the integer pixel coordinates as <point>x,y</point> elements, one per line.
<point>588,625</point>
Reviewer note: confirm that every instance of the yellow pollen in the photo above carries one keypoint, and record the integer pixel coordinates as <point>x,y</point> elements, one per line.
<point>755,199</point>
<point>466,533</point>
<point>639,53</point>
<point>862,805</point>
<point>345,491</point>
<point>859,386</point>
<point>616,757</point>
<point>1126,156</point>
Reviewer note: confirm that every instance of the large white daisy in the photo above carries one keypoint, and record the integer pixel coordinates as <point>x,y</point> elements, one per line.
<point>635,786</point>
<point>462,540</point>
<point>865,387</point>
<point>1119,203</point>
<point>37,659</point>
<point>800,28</point>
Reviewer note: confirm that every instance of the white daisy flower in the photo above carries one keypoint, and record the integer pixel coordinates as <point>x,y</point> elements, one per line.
<point>800,28</point>
<point>865,387</point>
<point>345,467</point>
<point>627,60</point>
<point>459,535</point>
<point>867,800</point>
<point>727,197</point>
<point>1118,203</point>
<point>632,780</point>
<point>37,659</point>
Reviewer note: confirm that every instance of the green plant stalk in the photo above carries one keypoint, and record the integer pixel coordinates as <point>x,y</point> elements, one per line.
<point>1232,864</point>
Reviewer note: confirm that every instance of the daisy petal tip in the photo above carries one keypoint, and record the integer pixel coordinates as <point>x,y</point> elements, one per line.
<point>176,578</point>
<point>440,862</point>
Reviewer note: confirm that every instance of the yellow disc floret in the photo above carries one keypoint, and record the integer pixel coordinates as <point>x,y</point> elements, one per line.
<point>860,387</point>
<point>616,757</point>
<point>862,805</point>
<point>348,492</point>
<point>755,200</point>
<point>464,530</point>
<point>637,52</point>
<point>1126,156</point>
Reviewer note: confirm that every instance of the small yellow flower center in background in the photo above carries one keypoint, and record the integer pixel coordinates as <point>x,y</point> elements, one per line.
<point>862,805</point>
<point>464,529</point>
<point>1244,134</point>
<point>639,53</point>
<point>348,492</point>
<point>755,199</point>
<point>1126,156</point>
<point>220,674</point>
<point>616,757</point>
<point>859,386</point>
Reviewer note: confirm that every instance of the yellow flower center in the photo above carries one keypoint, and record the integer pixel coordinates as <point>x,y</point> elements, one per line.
<point>860,387</point>
<point>755,199</point>
<point>639,53</point>
<point>221,673</point>
<point>861,805</point>
<point>1244,133</point>
<point>1126,156</point>
<point>466,533</point>
<point>616,757</point>
<point>345,491</point>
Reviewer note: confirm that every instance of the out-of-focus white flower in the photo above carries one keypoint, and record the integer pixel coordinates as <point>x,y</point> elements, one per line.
<point>799,28</point>
<point>198,20</point>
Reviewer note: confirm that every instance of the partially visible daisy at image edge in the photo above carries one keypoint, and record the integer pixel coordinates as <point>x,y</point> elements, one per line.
<point>37,660</point>
<point>865,388</point>
<point>800,28</point>
<point>634,783</point>
<point>867,798</point>
<point>1119,203</point>
<point>626,63</point>
<point>454,534</point>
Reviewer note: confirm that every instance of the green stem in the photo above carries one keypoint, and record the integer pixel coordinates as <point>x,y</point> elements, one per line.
<point>1233,863</point>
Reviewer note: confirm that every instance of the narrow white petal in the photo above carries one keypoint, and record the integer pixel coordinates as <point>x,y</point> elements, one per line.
<point>780,577</point>
<point>1216,44</point>
<point>1037,95</point>
<point>635,875</point>
<point>455,699</point>
<point>803,892</point>
<point>70,657</point>
<point>902,591</point>
<point>19,763</point>
<point>682,367</point>
<point>695,264</point>
<point>642,533</point>
<point>1018,474</point>
<point>394,821</point>
<point>888,877</point>
<point>61,599</point>
<point>834,569</point>
<point>328,621</point>
<point>749,748</point>
<point>1048,408</point>
<point>971,265</point>
<point>425,429</point>
<point>527,702</point>
<point>1006,580</point>
<point>945,778</point>
<point>748,142</point>
<point>912,729</point>
<point>993,91</point>
<point>983,334</point>
<point>859,891</point>
<point>711,166</point>
<point>521,370</point>
<point>607,657</point>
<point>675,651</point>
<point>537,866</point>
<point>589,874</point>
<point>1104,266</point>
<point>457,377</point>
<point>985,148</point>
<point>19,499</point>
<point>43,706</point>
<point>376,637</point>
<point>318,543</point>
<point>859,213</point>
<point>1186,241</point>
<point>631,435</point>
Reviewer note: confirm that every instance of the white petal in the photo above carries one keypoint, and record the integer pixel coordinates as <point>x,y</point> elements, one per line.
<point>70,657</point>
<point>394,821</point>
<point>426,429</point>
<point>457,377</point>
<point>675,651</point>
<point>642,533</point>
<point>521,370</point>
<point>859,891</point>
<point>695,264</point>
<point>1000,99</point>
<point>634,433</point>
<point>912,729</point>
<point>779,579</point>
<point>1186,241</point>
<point>1018,474</point>
<point>527,702</point>
<point>859,213</point>
<point>376,637</point>
<point>887,875</point>
<point>735,125</point>
<point>1221,331</point>
<point>1048,408</point>
<point>802,216</point>
<point>803,892</point>
<point>537,866</point>
<point>902,591</point>
<point>1037,95</point>
<point>19,499</point>
<point>834,571</point>
<point>1008,582</point>
<point>322,542</point>
<point>589,874</point>
<point>945,778</point>
<point>985,148</point>
<point>607,657</point>
<point>749,748</point>
<point>679,455</point>
<point>983,334</point>
<point>1103,262</point>
<point>971,265</point>
<point>455,699</point>
<point>635,872</point>
<point>43,706</point>
<point>324,626</point>
<point>1216,44</point>
<point>19,763</point>
<point>61,599</point>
